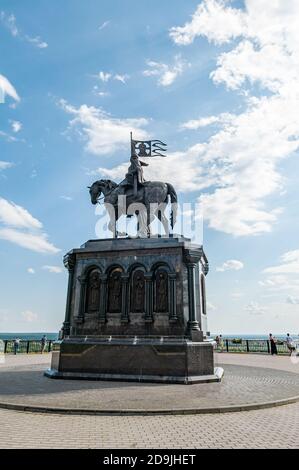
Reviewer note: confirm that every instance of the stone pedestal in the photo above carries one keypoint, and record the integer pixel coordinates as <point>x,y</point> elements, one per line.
<point>136,310</point>
<point>139,360</point>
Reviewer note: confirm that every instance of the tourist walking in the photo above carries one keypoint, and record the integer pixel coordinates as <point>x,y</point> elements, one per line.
<point>290,344</point>
<point>43,343</point>
<point>273,345</point>
<point>16,345</point>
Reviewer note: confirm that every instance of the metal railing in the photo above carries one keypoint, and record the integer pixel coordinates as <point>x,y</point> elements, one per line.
<point>261,346</point>
<point>27,347</point>
<point>229,345</point>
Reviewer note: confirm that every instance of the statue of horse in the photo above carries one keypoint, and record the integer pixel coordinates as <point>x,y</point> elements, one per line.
<point>149,202</point>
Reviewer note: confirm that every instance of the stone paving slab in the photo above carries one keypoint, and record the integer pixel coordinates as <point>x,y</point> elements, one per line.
<point>270,428</point>
<point>242,387</point>
<point>276,428</point>
<point>12,360</point>
<point>259,360</point>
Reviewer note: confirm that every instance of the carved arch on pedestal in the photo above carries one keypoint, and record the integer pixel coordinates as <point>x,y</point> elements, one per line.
<point>137,291</point>
<point>114,289</point>
<point>90,292</point>
<point>161,288</point>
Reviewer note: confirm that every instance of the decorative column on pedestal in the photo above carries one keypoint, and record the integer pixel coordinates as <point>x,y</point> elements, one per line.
<point>82,301</point>
<point>103,299</point>
<point>192,258</point>
<point>173,311</point>
<point>69,263</point>
<point>125,298</point>
<point>149,318</point>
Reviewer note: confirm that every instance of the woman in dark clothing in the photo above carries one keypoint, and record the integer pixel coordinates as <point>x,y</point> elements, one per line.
<point>273,345</point>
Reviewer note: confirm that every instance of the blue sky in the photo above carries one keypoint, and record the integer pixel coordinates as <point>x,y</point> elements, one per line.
<point>216,80</point>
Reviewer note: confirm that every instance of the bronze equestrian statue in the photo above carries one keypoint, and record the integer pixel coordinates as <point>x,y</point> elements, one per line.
<point>148,199</point>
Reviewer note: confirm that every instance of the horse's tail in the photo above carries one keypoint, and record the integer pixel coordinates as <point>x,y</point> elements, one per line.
<point>174,204</point>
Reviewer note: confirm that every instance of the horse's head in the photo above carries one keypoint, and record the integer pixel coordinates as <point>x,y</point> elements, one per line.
<point>99,187</point>
<point>95,192</point>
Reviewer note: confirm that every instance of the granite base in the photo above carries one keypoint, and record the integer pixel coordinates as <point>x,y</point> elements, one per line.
<point>137,360</point>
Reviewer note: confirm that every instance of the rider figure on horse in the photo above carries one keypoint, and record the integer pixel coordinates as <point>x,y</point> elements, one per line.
<point>134,177</point>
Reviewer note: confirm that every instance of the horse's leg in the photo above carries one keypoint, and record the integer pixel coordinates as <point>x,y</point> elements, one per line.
<point>119,234</point>
<point>142,224</point>
<point>159,217</point>
<point>163,219</point>
<point>152,218</point>
<point>149,219</point>
<point>112,223</point>
<point>115,222</point>
<point>111,227</point>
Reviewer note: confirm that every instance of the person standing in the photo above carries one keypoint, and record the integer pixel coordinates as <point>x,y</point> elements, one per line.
<point>43,343</point>
<point>16,345</point>
<point>290,344</point>
<point>273,345</point>
<point>221,343</point>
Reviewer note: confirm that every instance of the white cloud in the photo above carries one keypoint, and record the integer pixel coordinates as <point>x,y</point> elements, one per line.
<point>166,74</point>
<point>104,25</point>
<point>111,173</point>
<point>33,241</point>
<point>230,265</point>
<point>195,124</point>
<point>102,133</point>
<point>213,19</point>
<point>5,165</point>
<point>16,126</point>
<point>8,89</point>
<point>242,158</point>
<point>21,228</point>
<point>31,271</point>
<point>8,137</point>
<point>53,269</point>
<point>29,316</point>
<point>254,308</point>
<point>104,77</point>
<point>10,22</point>
<point>66,198</point>
<point>289,264</point>
<point>16,216</point>
<point>282,278</point>
<point>247,62</point>
<point>100,93</point>
<point>121,78</point>
<point>292,300</point>
<point>275,282</point>
<point>37,41</point>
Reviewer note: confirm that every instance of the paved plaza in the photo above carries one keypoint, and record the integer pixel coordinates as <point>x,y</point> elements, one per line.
<point>266,428</point>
